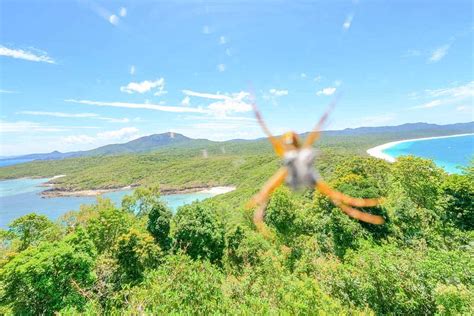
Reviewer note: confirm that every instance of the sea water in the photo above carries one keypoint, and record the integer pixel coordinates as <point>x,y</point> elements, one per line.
<point>22,196</point>
<point>450,153</point>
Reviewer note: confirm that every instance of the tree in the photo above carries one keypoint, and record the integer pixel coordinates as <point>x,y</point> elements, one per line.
<point>459,193</point>
<point>107,226</point>
<point>47,278</point>
<point>199,232</point>
<point>142,201</point>
<point>419,179</point>
<point>159,220</point>
<point>32,228</point>
<point>136,251</point>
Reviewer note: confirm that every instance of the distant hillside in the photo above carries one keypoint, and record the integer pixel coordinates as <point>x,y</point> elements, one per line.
<point>157,141</point>
<point>142,144</point>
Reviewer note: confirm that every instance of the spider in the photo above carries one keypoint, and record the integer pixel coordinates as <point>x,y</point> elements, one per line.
<point>298,172</point>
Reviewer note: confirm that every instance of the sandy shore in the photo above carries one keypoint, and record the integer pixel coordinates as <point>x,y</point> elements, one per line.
<point>52,193</point>
<point>377,151</point>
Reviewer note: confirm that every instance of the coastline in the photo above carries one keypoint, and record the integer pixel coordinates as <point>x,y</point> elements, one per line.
<point>377,151</point>
<point>52,193</point>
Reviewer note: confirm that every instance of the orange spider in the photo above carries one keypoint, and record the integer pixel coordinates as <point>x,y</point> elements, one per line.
<point>298,172</point>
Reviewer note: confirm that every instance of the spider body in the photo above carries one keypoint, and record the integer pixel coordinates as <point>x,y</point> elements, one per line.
<point>299,163</point>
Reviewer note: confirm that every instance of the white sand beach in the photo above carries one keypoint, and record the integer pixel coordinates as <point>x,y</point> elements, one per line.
<point>377,151</point>
<point>218,190</point>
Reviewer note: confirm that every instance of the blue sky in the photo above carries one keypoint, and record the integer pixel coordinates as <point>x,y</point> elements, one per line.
<point>79,74</point>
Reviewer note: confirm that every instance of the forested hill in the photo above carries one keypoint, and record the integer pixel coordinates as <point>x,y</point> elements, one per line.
<point>158,141</point>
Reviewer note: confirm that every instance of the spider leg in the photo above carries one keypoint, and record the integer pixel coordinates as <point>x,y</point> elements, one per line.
<point>316,132</point>
<point>365,217</point>
<point>277,145</point>
<point>338,196</point>
<point>274,182</point>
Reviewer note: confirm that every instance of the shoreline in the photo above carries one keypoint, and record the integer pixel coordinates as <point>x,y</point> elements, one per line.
<point>53,193</point>
<point>377,151</point>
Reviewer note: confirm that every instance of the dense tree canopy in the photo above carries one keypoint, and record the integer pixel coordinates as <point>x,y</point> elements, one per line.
<point>209,258</point>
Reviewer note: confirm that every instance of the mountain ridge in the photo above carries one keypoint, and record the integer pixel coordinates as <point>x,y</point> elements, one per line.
<point>156,141</point>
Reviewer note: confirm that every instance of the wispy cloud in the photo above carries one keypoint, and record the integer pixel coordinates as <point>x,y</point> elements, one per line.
<point>278,93</point>
<point>147,106</point>
<point>327,91</point>
<point>222,40</point>
<point>226,104</point>
<point>39,56</point>
<point>145,86</point>
<point>186,101</point>
<point>33,127</point>
<point>447,96</point>
<point>132,70</point>
<point>7,91</point>
<point>206,30</point>
<point>465,108</point>
<point>428,105</point>
<point>123,134</point>
<point>114,20</point>
<point>58,114</point>
<point>221,67</point>
<point>123,12</point>
<point>76,115</point>
<point>348,22</point>
<point>439,53</point>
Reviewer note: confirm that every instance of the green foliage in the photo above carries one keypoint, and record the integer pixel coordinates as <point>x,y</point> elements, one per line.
<point>459,193</point>
<point>180,285</point>
<point>135,252</point>
<point>142,201</point>
<point>108,225</point>
<point>208,258</point>
<point>44,279</point>
<point>159,224</point>
<point>419,179</point>
<point>199,232</point>
<point>31,229</point>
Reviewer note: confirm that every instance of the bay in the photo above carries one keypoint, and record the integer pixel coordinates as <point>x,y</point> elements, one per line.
<point>19,197</point>
<point>450,153</point>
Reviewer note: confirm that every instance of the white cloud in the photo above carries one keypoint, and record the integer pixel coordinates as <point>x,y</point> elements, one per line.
<point>7,91</point>
<point>59,114</point>
<point>25,126</point>
<point>428,105</point>
<point>464,108</point>
<point>462,91</point>
<point>448,96</point>
<point>222,40</point>
<point>337,83</point>
<point>147,106</point>
<point>221,67</point>
<point>123,12</point>
<point>186,101</point>
<point>205,95</point>
<point>123,134</point>
<point>348,22</point>
<point>26,55</point>
<point>317,78</point>
<point>326,91</point>
<point>132,70</point>
<point>113,19</point>
<point>439,53</point>
<point>76,115</point>
<point>278,93</point>
<point>226,104</point>
<point>145,86</point>
<point>303,75</point>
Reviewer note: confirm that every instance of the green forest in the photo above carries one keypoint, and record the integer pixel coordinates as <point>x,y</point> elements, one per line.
<point>209,258</point>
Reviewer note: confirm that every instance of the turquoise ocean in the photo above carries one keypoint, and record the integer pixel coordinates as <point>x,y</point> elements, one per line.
<point>450,153</point>
<point>22,196</point>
